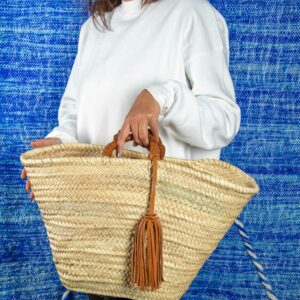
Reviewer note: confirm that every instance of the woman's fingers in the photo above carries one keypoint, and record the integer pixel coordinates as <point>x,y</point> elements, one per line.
<point>139,129</point>
<point>154,128</point>
<point>28,185</point>
<point>134,126</point>
<point>144,112</point>
<point>43,142</point>
<point>23,173</point>
<point>143,131</point>
<point>122,135</point>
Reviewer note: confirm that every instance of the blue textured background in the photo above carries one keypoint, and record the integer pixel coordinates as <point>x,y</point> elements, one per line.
<point>38,41</point>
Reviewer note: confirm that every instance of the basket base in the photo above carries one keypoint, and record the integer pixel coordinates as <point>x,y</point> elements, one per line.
<point>111,290</point>
<point>103,297</point>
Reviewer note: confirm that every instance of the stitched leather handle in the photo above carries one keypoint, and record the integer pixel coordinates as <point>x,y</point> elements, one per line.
<point>156,149</point>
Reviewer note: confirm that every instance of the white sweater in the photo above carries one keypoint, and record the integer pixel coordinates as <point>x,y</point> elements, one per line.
<point>176,49</point>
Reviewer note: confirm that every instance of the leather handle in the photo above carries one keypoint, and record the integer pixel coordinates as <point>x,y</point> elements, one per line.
<point>156,149</point>
<point>146,269</point>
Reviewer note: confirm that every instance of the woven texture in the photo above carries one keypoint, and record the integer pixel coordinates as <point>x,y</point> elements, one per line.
<point>38,42</point>
<point>90,204</point>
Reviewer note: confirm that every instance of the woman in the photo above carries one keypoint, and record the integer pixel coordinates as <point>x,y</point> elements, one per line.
<point>163,65</point>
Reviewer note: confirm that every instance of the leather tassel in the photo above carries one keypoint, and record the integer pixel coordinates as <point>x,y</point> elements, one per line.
<point>147,259</point>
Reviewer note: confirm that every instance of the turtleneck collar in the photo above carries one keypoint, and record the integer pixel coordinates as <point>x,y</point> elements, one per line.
<point>130,6</point>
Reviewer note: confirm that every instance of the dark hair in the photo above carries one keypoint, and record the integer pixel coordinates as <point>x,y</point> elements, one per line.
<point>100,7</point>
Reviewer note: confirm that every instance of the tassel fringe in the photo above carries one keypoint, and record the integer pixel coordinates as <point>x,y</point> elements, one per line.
<point>147,262</point>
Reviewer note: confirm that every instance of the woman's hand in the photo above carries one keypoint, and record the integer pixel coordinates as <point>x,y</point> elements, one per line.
<point>143,113</point>
<point>37,144</point>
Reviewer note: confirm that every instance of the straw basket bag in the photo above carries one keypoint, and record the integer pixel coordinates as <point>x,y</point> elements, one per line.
<point>138,226</point>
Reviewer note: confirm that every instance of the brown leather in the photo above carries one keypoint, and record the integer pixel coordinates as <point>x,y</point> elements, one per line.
<point>146,265</point>
<point>152,146</point>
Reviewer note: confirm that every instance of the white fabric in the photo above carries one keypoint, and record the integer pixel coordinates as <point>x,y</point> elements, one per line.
<point>179,51</point>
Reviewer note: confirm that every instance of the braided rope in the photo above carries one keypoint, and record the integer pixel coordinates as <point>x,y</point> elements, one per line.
<point>67,295</point>
<point>249,249</point>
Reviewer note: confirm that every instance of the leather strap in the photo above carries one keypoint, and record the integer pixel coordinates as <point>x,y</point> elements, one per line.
<point>146,269</point>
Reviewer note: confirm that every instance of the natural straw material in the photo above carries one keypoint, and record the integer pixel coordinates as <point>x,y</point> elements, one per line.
<point>91,205</point>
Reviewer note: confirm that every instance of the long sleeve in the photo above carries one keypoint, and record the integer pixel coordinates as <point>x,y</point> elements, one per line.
<point>67,115</point>
<point>204,114</point>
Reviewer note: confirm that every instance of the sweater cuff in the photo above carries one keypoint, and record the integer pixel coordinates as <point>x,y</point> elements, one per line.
<point>64,137</point>
<point>163,94</point>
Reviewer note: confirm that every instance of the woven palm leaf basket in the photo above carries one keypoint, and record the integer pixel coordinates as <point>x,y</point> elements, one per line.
<point>139,226</point>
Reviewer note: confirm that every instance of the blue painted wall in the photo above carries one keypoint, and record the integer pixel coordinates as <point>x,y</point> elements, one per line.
<point>38,41</point>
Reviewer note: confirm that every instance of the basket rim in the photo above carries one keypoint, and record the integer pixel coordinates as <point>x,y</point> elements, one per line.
<point>28,158</point>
